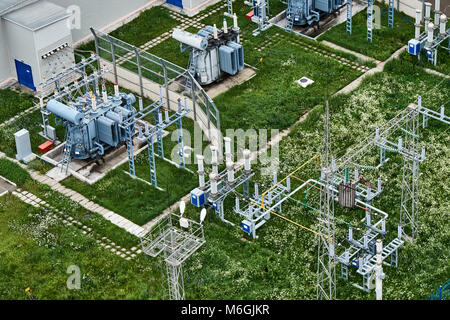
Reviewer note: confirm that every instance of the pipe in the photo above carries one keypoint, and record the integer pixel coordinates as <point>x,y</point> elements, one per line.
<point>247,165</point>
<point>379,275</point>
<point>225,27</point>
<point>227,148</point>
<point>230,172</point>
<point>104,94</point>
<point>215,31</point>
<point>442,32</point>
<point>430,34</point>
<point>201,172</point>
<point>213,178</point>
<point>214,161</point>
<point>437,11</point>
<point>417,25</point>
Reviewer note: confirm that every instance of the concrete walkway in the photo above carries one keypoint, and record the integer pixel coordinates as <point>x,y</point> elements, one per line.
<point>357,54</point>
<point>115,218</point>
<point>68,220</point>
<point>379,68</point>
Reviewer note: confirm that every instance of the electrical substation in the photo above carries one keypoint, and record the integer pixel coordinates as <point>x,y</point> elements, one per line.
<point>147,137</point>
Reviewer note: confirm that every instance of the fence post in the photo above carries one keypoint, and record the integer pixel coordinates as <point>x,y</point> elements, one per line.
<point>166,85</point>
<point>96,49</point>
<point>138,58</point>
<point>113,52</point>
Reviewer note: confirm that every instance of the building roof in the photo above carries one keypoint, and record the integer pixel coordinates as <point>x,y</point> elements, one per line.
<point>10,5</point>
<point>37,15</point>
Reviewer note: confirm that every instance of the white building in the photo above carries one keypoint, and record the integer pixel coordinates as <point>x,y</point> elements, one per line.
<point>36,41</point>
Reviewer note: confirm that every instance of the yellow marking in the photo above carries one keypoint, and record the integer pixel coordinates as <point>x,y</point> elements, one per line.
<point>271,188</point>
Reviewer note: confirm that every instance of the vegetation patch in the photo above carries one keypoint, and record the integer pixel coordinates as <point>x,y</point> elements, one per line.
<point>386,40</point>
<point>13,102</point>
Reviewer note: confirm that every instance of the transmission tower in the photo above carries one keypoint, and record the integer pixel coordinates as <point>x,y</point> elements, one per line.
<point>326,273</point>
<point>410,179</point>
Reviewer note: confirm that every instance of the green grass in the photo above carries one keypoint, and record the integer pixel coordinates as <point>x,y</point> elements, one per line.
<point>385,40</point>
<point>282,263</point>
<point>36,251</point>
<point>148,25</point>
<point>13,172</point>
<point>442,64</point>
<point>272,99</point>
<point>32,122</point>
<point>13,102</point>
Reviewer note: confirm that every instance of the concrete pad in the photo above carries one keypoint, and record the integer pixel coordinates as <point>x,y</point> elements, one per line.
<point>56,174</point>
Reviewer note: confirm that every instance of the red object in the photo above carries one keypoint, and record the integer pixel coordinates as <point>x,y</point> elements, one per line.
<point>249,15</point>
<point>46,146</point>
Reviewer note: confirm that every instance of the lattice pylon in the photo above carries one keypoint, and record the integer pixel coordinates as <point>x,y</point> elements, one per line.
<point>175,281</point>
<point>410,177</point>
<point>326,267</point>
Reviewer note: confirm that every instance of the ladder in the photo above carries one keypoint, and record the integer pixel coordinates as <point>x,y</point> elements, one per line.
<point>391,14</point>
<point>369,20</point>
<point>67,156</point>
<point>349,16</point>
<point>129,143</point>
<point>180,143</point>
<point>151,161</point>
<point>289,17</point>
<point>159,135</point>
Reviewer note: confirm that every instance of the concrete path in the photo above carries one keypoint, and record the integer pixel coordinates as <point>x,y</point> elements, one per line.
<point>379,68</point>
<point>357,54</point>
<point>68,220</point>
<point>115,218</point>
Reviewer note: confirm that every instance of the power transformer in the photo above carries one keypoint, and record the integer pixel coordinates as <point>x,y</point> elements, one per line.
<point>93,124</point>
<point>213,52</point>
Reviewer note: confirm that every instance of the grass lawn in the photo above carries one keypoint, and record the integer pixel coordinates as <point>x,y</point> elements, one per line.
<point>13,102</point>
<point>272,99</point>
<point>36,251</point>
<point>442,64</point>
<point>385,40</point>
<point>282,263</point>
<point>148,25</point>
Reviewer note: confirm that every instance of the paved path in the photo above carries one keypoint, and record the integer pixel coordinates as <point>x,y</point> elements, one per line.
<point>379,68</point>
<point>357,54</point>
<point>115,218</point>
<point>68,220</point>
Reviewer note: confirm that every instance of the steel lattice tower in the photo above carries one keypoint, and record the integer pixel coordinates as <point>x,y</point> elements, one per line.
<point>410,179</point>
<point>326,273</point>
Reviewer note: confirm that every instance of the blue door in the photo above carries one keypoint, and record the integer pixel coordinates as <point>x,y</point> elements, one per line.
<point>178,3</point>
<point>24,74</point>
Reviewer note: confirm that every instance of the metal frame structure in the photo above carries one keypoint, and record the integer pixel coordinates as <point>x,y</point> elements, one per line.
<point>348,24</point>
<point>177,244</point>
<point>229,13</point>
<point>326,268</point>
<point>369,20</point>
<point>151,72</point>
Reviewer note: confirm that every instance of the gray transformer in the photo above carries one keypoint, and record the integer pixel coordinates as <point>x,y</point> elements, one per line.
<point>93,127</point>
<point>213,53</point>
<point>304,12</point>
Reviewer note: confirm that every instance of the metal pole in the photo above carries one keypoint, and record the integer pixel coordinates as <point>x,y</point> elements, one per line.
<point>138,58</point>
<point>113,52</point>
<point>166,85</point>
